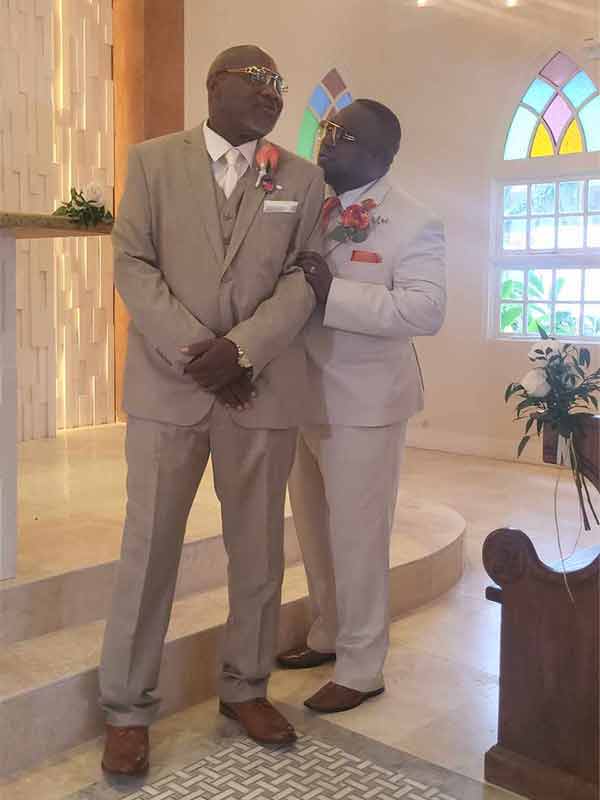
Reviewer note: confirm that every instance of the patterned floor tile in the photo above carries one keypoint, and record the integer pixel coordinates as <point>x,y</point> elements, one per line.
<point>312,770</point>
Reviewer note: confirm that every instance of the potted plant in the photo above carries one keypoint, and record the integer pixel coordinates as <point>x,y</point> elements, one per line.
<point>557,398</point>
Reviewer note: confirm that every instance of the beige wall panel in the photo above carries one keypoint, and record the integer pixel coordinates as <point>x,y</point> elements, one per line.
<point>26,183</point>
<point>84,140</point>
<point>60,46</point>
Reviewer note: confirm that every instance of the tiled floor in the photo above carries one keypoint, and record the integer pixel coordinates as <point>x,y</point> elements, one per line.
<point>327,763</point>
<point>441,699</point>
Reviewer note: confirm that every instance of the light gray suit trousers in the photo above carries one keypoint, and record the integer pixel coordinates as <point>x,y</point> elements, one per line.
<point>165,465</point>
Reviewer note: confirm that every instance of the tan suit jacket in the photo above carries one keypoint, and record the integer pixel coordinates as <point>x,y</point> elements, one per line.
<point>362,365</point>
<point>181,285</point>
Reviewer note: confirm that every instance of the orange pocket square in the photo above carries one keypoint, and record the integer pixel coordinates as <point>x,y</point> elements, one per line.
<point>366,257</point>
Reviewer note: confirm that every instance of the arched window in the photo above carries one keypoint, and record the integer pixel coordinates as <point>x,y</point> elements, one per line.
<point>558,115</point>
<point>547,220</point>
<point>328,97</point>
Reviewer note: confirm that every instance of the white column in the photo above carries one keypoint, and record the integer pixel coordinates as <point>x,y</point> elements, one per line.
<point>8,407</point>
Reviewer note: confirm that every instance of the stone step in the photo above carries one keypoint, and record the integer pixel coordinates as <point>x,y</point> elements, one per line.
<point>49,684</point>
<point>76,597</point>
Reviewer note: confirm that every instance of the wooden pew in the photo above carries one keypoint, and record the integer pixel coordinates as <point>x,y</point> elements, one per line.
<point>548,722</point>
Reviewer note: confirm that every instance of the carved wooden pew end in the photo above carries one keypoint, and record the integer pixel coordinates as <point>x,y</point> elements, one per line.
<point>549,697</point>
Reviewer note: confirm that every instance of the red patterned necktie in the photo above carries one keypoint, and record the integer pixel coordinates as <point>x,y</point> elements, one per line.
<point>329,206</point>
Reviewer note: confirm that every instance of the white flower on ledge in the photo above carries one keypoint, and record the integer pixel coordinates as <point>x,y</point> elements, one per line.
<point>94,194</point>
<point>547,349</point>
<point>535,383</point>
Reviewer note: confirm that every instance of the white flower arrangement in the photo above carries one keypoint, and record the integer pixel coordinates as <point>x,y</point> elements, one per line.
<point>558,392</point>
<point>86,207</point>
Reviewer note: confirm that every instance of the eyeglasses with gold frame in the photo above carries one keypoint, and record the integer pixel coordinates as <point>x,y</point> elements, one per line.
<point>262,75</point>
<point>337,132</point>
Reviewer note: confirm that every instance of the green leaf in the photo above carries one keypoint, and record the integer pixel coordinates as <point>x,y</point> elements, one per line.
<point>359,236</point>
<point>522,445</point>
<point>511,389</point>
<point>577,368</point>
<point>594,401</point>
<point>542,332</point>
<point>338,234</point>
<point>510,316</point>
<point>529,425</point>
<point>512,290</point>
<point>584,357</point>
<point>536,283</point>
<point>540,425</point>
<point>529,402</point>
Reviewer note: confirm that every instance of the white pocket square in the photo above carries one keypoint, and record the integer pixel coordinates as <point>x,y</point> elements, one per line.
<point>280,206</point>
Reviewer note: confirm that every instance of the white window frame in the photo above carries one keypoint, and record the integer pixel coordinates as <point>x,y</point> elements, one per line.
<point>502,260</point>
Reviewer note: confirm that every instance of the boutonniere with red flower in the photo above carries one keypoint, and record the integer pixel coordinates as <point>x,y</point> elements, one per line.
<point>267,160</point>
<point>356,223</point>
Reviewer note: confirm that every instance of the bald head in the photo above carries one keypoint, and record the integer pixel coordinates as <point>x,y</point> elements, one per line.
<point>243,55</point>
<point>240,107</point>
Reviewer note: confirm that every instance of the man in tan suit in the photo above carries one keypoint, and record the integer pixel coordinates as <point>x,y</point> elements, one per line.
<point>205,260</point>
<point>375,292</point>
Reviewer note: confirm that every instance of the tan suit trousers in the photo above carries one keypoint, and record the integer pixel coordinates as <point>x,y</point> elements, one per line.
<point>165,465</point>
<point>343,490</point>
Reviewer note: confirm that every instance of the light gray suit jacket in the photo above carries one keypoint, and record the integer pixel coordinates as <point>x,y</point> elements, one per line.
<point>181,286</point>
<point>362,365</point>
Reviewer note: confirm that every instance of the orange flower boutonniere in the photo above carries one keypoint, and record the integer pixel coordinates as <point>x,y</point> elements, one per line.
<point>356,222</point>
<point>267,161</point>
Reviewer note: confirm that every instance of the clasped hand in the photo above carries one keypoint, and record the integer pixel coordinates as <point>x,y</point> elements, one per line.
<point>214,366</point>
<point>317,273</point>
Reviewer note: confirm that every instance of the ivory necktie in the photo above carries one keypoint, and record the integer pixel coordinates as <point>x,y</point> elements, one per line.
<point>230,177</point>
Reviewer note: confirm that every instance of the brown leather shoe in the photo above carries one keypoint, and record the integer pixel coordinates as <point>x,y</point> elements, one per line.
<point>303,658</point>
<point>127,750</point>
<point>261,721</point>
<point>333,697</point>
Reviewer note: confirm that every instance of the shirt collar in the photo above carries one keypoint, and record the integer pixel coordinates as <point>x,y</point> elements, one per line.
<point>217,146</point>
<point>351,196</point>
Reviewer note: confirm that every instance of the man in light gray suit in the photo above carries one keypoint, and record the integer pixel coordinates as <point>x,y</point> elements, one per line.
<point>205,260</point>
<point>382,283</point>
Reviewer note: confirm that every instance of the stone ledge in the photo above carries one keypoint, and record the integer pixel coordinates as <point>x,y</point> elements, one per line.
<point>46,226</point>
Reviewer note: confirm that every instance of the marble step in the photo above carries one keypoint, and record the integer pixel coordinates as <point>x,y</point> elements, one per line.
<point>49,684</point>
<point>78,596</point>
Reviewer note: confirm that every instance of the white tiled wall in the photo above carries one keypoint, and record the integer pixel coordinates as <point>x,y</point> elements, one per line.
<point>83,138</point>
<point>60,49</point>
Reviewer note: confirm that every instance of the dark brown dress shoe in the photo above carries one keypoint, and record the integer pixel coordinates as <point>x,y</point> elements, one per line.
<point>261,721</point>
<point>333,697</point>
<point>127,750</point>
<point>303,658</point>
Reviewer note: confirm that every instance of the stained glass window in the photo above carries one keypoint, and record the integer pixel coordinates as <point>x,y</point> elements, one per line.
<point>558,115</point>
<point>329,96</point>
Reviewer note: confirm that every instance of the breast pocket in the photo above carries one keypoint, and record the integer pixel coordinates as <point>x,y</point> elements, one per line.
<point>277,230</point>
<point>362,272</point>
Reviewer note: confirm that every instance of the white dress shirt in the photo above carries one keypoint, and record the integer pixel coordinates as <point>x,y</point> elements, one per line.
<point>217,146</point>
<point>354,195</point>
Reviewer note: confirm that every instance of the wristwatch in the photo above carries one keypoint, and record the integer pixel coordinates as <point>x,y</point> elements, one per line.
<point>242,358</point>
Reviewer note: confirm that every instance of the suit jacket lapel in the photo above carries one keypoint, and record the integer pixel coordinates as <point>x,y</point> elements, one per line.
<point>199,171</point>
<point>378,192</point>
<point>251,202</point>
